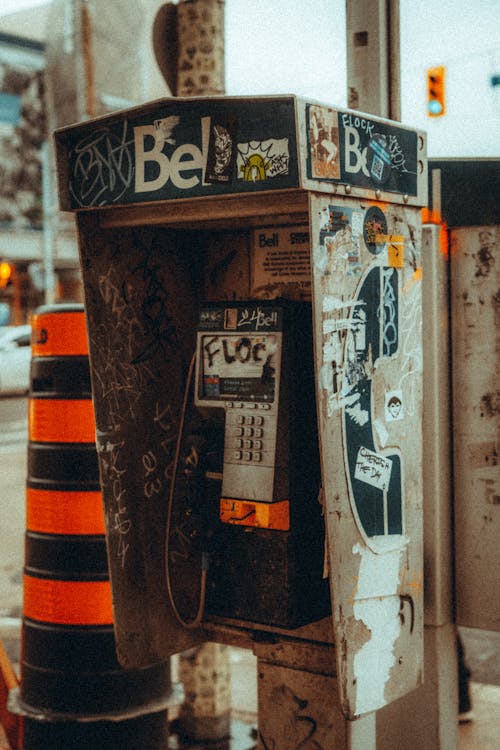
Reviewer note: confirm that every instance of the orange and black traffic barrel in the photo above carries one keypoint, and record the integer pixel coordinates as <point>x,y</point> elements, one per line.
<point>73,693</point>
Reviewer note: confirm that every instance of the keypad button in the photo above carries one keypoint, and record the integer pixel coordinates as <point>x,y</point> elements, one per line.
<point>237,455</point>
<point>257,457</point>
<point>239,443</point>
<point>247,444</point>
<point>247,456</point>
<point>248,431</point>
<point>238,431</point>
<point>258,432</point>
<point>240,419</point>
<point>249,420</point>
<point>259,420</point>
<point>257,444</point>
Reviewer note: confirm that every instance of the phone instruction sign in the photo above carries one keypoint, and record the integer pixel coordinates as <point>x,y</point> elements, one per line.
<point>281,264</point>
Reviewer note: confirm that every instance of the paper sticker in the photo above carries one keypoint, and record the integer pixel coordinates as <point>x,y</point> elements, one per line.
<point>396,251</point>
<point>324,143</point>
<point>393,406</point>
<point>261,160</point>
<point>221,150</point>
<point>375,230</point>
<point>373,468</point>
<point>340,235</point>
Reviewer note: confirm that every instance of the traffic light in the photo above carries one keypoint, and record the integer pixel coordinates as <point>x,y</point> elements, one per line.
<point>6,274</point>
<point>435,92</point>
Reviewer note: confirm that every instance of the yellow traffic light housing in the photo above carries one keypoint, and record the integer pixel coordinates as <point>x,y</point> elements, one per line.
<point>6,274</point>
<point>435,91</point>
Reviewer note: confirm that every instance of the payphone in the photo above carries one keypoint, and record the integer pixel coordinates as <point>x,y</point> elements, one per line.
<point>224,226</point>
<point>252,471</point>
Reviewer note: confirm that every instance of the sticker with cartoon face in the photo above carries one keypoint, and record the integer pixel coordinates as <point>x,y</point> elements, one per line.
<point>394,406</point>
<point>221,150</point>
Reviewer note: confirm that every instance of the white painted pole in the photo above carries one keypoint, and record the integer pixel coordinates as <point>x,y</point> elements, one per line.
<point>48,233</point>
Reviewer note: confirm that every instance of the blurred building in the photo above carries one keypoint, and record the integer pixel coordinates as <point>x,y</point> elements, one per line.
<point>59,63</point>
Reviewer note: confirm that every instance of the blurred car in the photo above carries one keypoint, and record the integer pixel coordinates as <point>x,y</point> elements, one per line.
<point>15,358</point>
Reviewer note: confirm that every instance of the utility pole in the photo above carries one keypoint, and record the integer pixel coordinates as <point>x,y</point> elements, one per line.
<point>428,715</point>
<point>373,57</point>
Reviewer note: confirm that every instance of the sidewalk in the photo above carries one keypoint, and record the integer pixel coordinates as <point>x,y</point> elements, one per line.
<point>482,733</point>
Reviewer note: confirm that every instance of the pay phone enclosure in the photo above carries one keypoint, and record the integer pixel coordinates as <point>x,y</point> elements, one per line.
<point>150,222</point>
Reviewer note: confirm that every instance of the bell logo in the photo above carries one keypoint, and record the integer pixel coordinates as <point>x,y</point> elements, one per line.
<point>185,167</point>
<point>355,158</point>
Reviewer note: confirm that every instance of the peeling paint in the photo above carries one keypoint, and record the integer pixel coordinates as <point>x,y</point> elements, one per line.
<point>377,606</point>
<point>368,349</point>
<point>381,431</point>
<point>330,304</point>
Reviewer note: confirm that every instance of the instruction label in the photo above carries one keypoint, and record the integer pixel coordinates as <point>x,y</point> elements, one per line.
<point>281,264</point>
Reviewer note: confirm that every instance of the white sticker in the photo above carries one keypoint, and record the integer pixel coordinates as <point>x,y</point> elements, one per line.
<point>260,160</point>
<point>393,406</point>
<point>373,468</point>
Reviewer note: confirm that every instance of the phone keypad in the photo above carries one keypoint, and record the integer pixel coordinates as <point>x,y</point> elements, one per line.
<point>246,436</point>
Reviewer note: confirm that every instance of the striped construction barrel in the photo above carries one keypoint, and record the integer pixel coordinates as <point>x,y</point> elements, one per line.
<point>74,693</point>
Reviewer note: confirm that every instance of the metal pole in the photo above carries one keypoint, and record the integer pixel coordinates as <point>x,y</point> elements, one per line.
<point>48,234</point>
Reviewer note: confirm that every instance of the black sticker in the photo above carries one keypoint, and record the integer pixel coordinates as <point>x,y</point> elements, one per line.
<point>375,230</point>
<point>221,150</point>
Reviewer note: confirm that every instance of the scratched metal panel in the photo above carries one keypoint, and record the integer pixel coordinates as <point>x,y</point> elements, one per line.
<point>367,299</point>
<point>475,281</point>
<point>140,303</point>
<point>179,148</point>
<point>197,147</point>
<point>350,153</point>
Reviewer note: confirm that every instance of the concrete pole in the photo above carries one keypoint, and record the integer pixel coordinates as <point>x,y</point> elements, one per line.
<point>205,671</point>
<point>373,54</point>
<point>200,35</point>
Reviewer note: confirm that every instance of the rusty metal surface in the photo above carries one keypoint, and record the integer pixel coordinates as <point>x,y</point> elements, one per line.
<point>437,448</point>
<point>300,708</point>
<point>475,276</point>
